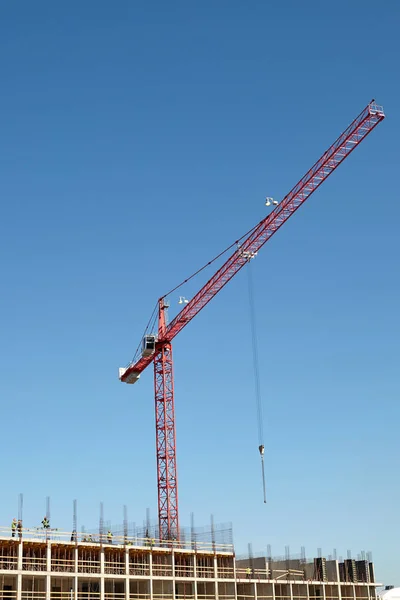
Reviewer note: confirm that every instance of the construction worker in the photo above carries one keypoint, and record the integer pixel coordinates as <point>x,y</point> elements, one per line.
<point>19,528</point>
<point>147,538</point>
<point>73,536</point>
<point>13,527</point>
<point>248,573</point>
<point>90,539</point>
<point>45,523</point>
<point>109,537</point>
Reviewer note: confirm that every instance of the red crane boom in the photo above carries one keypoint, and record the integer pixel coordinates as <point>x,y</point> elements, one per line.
<point>159,349</point>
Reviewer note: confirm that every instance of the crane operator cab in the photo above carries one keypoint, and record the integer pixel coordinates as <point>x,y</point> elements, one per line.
<point>148,345</point>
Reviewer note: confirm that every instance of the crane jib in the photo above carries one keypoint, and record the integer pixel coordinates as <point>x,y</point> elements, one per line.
<point>319,172</point>
<point>341,148</point>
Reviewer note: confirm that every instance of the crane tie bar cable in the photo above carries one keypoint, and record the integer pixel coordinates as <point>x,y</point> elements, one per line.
<point>236,243</point>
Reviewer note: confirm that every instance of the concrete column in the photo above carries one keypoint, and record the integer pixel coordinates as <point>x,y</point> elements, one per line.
<point>20,553</point>
<point>216,577</point>
<point>274,595</point>
<point>338,581</point>
<point>102,586</point>
<point>194,576</point>
<point>127,573</point>
<point>173,573</point>
<point>75,592</point>
<point>19,575</point>
<point>372,572</point>
<point>337,575</point>
<point>308,590</point>
<point>234,576</point>
<point>255,590</point>
<point>48,586</point>
<point>151,575</point>
<point>291,590</point>
<point>48,569</point>
<point>19,586</point>
<point>48,557</point>
<point>324,590</point>
<point>102,561</point>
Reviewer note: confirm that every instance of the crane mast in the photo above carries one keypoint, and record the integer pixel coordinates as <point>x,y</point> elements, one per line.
<point>165,433</point>
<point>159,349</point>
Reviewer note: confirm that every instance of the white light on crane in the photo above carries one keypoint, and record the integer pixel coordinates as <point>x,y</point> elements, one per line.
<point>269,201</point>
<point>249,255</point>
<point>182,300</point>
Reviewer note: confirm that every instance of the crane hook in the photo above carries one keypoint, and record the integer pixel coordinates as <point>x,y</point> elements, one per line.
<point>261,451</point>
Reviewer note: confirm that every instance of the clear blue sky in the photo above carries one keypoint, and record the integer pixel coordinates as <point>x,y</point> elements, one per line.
<point>138,140</point>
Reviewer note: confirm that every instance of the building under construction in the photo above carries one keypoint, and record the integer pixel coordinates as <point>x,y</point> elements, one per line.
<point>40,564</point>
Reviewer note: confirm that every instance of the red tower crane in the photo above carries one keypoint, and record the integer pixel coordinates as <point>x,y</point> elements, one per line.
<point>158,349</point>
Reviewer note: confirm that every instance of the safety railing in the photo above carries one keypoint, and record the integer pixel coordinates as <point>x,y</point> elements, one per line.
<point>139,569</point>
<point>8,563</point>
<point>62,565</point>
<point>205,571</point>
<point>8,594</point>
<point>242,573</point>
<point>138,596</point>
<point>57,535</point>
<point>88,566</point>
<point>114,595</point>
<point>114,568</point>
<point>32,563</point>
<point>162,570</point>
<point>225,572</point>
<point>376,109</point>
<point>184,571</point>
<point>33,595</point>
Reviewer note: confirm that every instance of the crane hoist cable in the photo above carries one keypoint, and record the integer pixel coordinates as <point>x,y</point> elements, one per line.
<point>256,368</point>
